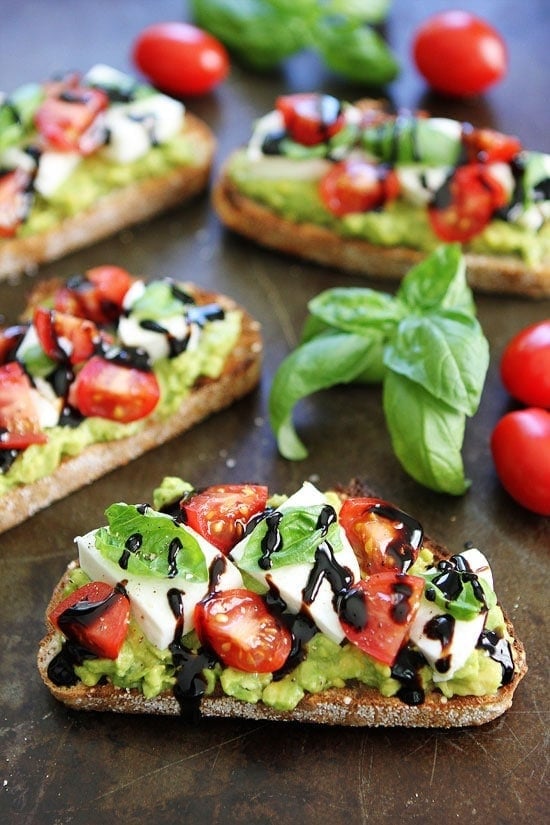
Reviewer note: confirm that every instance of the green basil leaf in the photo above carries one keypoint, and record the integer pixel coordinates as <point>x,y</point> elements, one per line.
<point>359,53</point>
<point>299,539</point>
<point>438,282</point>
<point>447,354</point>
<point>357,310</point>
<point>156,532</point>
<point>375,11</point>
<point>466,605</point>
<point>427,435</point>
<point>319,364</point>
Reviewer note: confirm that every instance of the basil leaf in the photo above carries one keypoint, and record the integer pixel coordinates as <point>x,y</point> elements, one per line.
<point>158,301</point>
<point>150,555</point>
<point>299,539</point>
<point>426,434</point>
<point>357,310</point>
<point>322,362</point>
<point>447,354</point>
<point>359,53</point>
<point>438,282</point>
<point>465,606</point>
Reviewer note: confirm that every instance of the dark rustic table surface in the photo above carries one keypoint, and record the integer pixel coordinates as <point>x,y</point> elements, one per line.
<point>59,766</point>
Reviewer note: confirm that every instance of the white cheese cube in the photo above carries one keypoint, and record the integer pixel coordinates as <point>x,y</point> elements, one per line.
<point>132,334</point>
<point>54,168</point>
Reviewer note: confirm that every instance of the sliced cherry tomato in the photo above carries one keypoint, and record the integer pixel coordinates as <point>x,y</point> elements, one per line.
<point>489,146</point>
<point>311,118</point>
<point>242,632</point>
<point>520,444</point>
<point>525,365</point>
<point>110,390</point>
<point>66,119</point>
<point>15,200</point>
<point>459,54</point>
<point>65,337</point>
<point>466,203</point>
<point>356,185</point>
<point>95,616</point>
<point>220,513</point>
<point>383,537</point>
<point>181,59</point>
<point>19,421</point>
<point>376,613</point>
<point>10,338</point>
<point>98,295</point>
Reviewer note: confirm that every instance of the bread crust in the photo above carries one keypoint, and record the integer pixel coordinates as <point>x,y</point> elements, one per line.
<point>354,705</point>
<point>503,274</point>
<point>240,375</point>
<point>119,209</point>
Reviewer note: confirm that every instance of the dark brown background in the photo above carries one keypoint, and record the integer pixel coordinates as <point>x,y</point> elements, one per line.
<point>59,766</point>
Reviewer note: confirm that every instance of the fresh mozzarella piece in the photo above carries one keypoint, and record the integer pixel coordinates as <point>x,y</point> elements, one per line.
<point>13,157</point>
<point>271,123</point>
<point>290,581</point>
<point>149,595</point>
<point>419,183</point>
<point>530,217</point>
<point>132,334</point>
<point>478,564</point>
<point>502,172</point>
<point>54,168</point>
<point>107,76</point>
<point>134,294</point>
<point>47,404</point>
<point>134,127</point>
<point>128,139</point>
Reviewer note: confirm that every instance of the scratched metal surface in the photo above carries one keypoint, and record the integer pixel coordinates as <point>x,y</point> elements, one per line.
<point>59,766</point>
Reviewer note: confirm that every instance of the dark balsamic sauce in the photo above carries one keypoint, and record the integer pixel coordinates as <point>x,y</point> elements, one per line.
<point>406,670</point>
<point>500,650</point>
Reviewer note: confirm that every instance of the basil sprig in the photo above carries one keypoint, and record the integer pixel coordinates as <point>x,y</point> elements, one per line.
<point>425,345</point>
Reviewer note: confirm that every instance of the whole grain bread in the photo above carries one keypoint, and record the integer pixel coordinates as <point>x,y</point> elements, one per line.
<point>503,274</point>
<point>117,210</point>
<point>240,375</point>
<point>352,705</point>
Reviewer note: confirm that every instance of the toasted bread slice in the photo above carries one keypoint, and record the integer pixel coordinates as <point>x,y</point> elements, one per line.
<point>240,375</point>
<point>119,209</point>
<point>352,705</point>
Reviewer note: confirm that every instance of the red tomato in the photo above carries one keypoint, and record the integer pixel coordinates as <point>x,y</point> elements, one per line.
<point>376,613</point>
<point>520,444</point>
<point>98,295</point>
<point>470,200</point>
<point>242,632</point>
<point>66,118</point>
<point>19,422</point>
<point>65,337</point>
<point>113,391</point>
<point>356,185</point>
<point>459,54</point>
<point>95,616</point>
<point>10,338</point>
<point>220,513</point>
<point>490,146</point>
<point>181,59</point>
<point>525,365</point>
<point>15,200</point>
<point>382,537</point>
<point>310,118</point>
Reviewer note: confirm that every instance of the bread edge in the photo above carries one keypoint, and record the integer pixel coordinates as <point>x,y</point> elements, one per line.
<point>352,706</point>
<point>485,273</point>
<point>240,375</point>
<point>117,210</point>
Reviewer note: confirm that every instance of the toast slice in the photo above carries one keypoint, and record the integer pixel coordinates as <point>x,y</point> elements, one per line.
<point>353,704</point>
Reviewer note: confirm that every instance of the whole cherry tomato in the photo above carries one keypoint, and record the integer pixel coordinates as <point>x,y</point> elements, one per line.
<point>459,54</point>
<point>520,444</point>
<point>180,59</point>
<point>525,365</point>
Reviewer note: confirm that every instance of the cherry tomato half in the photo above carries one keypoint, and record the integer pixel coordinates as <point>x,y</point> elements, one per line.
<point>15,200</point>
<point>459,54</point>
<point>471,197</point>
<point>242,632</point>
<point>95,616</point>
<point>220,513</point>
<point>65,337</point>
<point>310,118</point>
<point>525,365</point>
<point>376,613</point>
<point>489,145</point>
<point>356,185</point>
<point>98,295</point>
<point>110,390</point>
<point>520,444</point>
<point>19,421</point>
<point>180,59</point>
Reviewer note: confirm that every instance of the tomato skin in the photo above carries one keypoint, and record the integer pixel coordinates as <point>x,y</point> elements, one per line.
<point>376,613</point>
<point>310,118</point>
<point>471,198</point>
<point>241,631</point>
<point>112,391</point>
<point>19,421</point>
<point>95,616</point>
<point>97,296</point>
<point>459,54</point>
<point>15,200</point>
<point>180,59</point>
<point>525,365</point>
<point>489,145</point>
<point>520,445</point>
<point>219,513</point>
<point>66,117</point>
<point>355,185</point>
<point>81,336</point>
